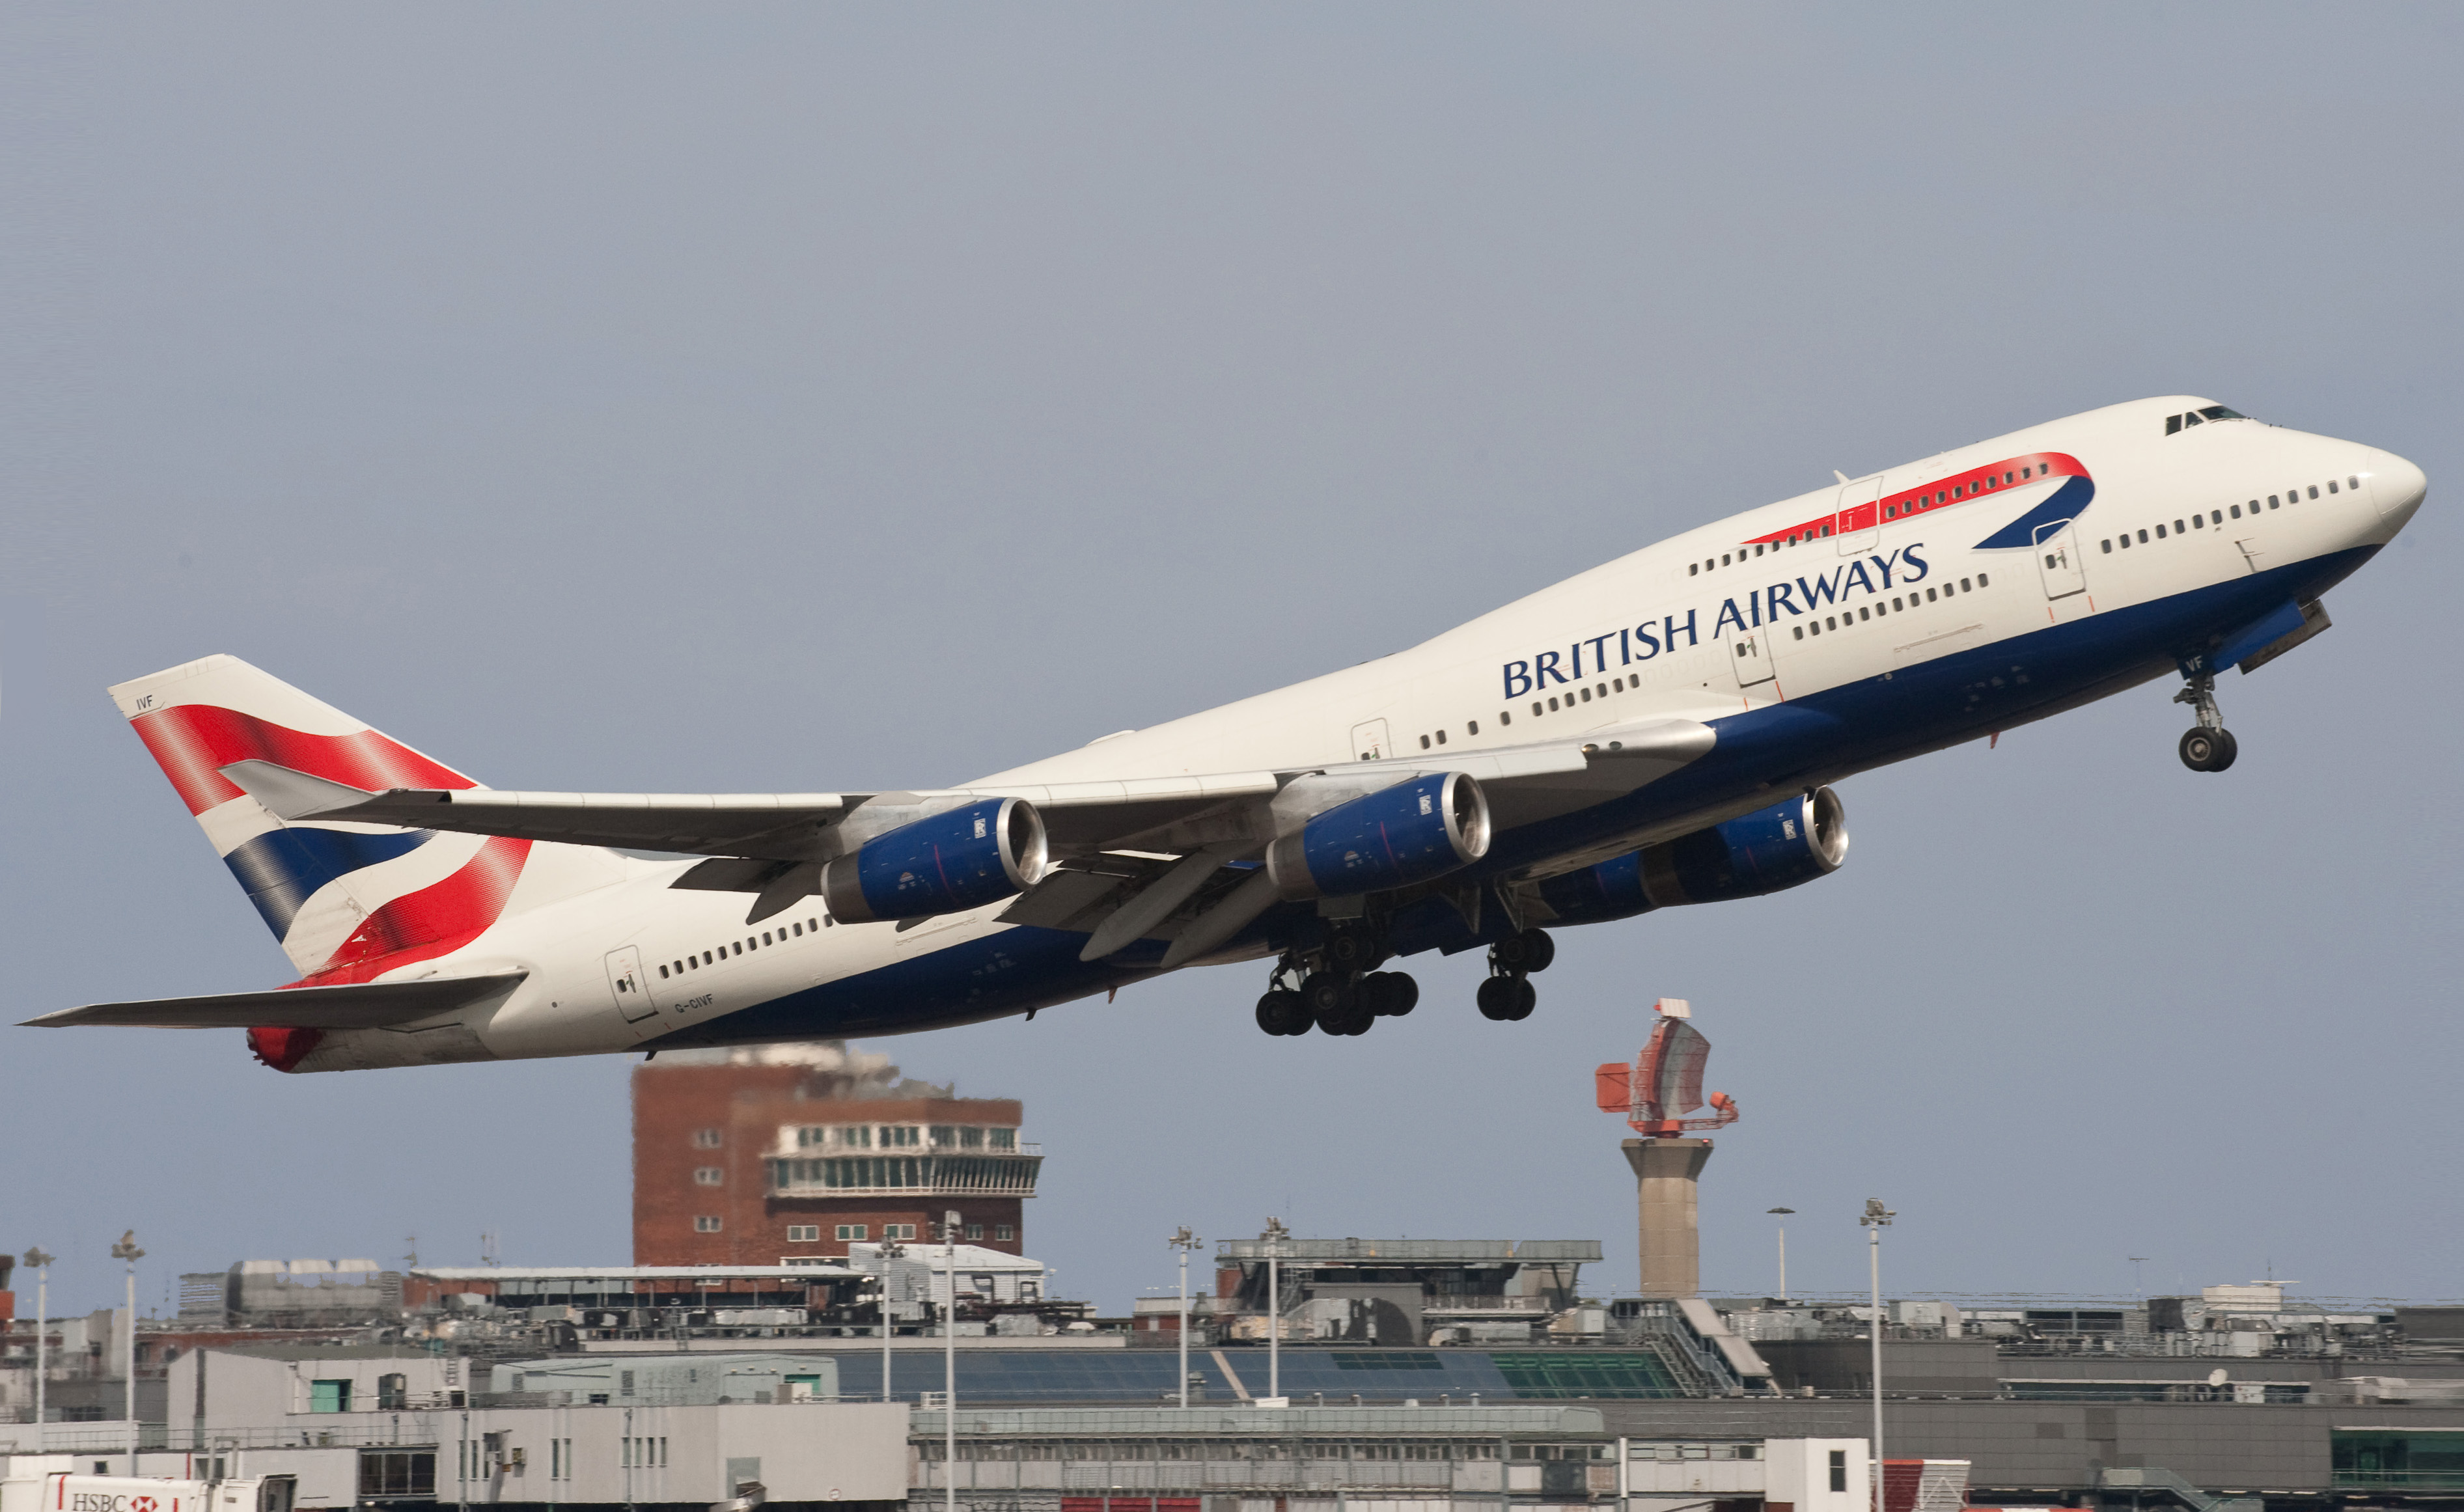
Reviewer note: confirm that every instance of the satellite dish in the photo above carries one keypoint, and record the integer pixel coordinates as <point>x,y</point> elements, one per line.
<point>2216,1376</point>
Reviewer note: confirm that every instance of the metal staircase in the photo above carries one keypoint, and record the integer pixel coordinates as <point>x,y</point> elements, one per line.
<point>2154,1477</point>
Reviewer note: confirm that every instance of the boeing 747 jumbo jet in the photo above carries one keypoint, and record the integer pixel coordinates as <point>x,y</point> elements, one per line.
<point>1656,731</point>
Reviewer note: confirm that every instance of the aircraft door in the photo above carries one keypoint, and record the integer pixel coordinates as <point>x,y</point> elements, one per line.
<point>631,989</point>
<point>1369,742</point>
<point>2057,561</point>
<point>1858,524</point>
<point>1750,657</point>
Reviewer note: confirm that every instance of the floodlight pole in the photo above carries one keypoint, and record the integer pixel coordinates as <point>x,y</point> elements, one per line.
<point>1185,1242</point>
<point>889,1252</point>
<point>41,1265</point>
<point>950,1365</point>
<point>1274,1236</point>
<point>1782,1213</point>
<point>127,1250</point>
<point>1876,1218</point>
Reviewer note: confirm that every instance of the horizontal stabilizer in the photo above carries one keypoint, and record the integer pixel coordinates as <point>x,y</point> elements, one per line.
<point>362,1005</point>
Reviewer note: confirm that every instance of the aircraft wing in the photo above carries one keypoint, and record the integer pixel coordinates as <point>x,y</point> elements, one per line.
<point>360,1005</point>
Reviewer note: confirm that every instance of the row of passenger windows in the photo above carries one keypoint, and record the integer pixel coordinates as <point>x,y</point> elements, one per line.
<point>1877,608</point>
<point>695,963</point>
<point>2218,516</point>
<point>1899,509</point>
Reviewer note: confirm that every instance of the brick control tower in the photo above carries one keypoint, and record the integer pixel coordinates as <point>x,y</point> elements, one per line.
<point>1663,1084</point>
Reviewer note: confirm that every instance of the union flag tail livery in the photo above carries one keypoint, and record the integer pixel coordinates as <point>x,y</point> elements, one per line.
<point>348,901</point>
<point>1660,731</point>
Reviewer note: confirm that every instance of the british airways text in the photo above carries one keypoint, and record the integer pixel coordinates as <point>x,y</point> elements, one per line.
<point>1643,641</point>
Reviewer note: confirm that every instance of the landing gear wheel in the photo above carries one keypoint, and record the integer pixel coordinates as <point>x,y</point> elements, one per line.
<point>1351,949</point>
<point>2206,750</point>
<point>1329,999</point>
<point>1389,995</point>
<point>1497,997</point>
<point>1283,1012</point>
<point>1526,999</point>
<point>1530,951</point>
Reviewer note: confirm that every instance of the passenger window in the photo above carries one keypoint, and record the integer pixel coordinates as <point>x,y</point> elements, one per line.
<point>2270,501</point>
<point>2353,483</point>
<point>2331,485</point>
<point>2006,477</point>
<point>2142,534</point>
<point>1584,693</point>
<point>663,974</point>
<point>1442,737</point>
<point>1553,703</point>
<point>1865,614</point>
<point>1535,705</point>
<point>1504,716</point>
<point>736,947</point>
<point>795,928</point>
<point>1471,727</point>
<point>2108,547</point>
<point>1831,623</point>
<point>1692,570</point>
<point>765,936</point>
<point>2235,510</point>
<point>1724,559</point>
<point>1425,742</point>
<point>2215,516</point>
<point>1928,595</point>
<point>1983,581</point>
<point>1799,630</point>
<point>2314,491</point>
<point>1963,585</point>
<point>2160,532</point>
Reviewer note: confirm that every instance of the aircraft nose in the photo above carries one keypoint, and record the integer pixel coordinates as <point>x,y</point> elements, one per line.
<point>2398,485</point>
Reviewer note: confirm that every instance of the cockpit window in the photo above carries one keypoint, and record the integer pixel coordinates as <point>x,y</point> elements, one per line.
<point>2200,417</point>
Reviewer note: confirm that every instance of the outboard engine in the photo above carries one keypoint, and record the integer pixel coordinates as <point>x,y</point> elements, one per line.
<point>1767,851</point>
<point>960,858</point>
<point>1418,828</point>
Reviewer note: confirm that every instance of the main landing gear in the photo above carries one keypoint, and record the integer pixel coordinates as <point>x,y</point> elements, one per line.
<point>1342,997</point>
<point>2207,746</point>
<point>1508,995</point>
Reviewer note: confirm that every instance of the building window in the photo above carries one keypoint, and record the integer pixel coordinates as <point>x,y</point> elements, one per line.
<point>705,1225</point>
<point>975,1231</point>
<point>898,1231</point>
<point>397,1474</point>
<point>944,1136</point>
<point>898,1137</point>
<point>971,1138</point>
<point>852,1231</point>
<point>1004,1234</point>
<point>708,1175</point>
<point>707,1139</point>
<point>1002,1138</point>
<point>856,1136</point>
<point>329,1396</point>
<point>803,1234</point>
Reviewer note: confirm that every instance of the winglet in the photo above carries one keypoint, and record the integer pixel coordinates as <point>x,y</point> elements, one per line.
<point>293,794</point>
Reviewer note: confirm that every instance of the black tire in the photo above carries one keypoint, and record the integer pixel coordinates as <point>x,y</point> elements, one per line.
<point>1496,997</point>
<point>1539,950</point>
<point>1349,950</point>
<point>2204,750</point>
<point>1510,954</point>
<point>2226,748</point>
<point>1328,998</point>
<point>1282,1013</point>
<point>1526,999</point>
<point>1403,994</point>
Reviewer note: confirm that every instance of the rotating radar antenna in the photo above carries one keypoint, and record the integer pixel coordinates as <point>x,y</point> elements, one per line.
<point>1665,1080</point>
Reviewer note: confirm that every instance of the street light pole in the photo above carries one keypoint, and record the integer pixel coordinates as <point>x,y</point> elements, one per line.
<point>1185,1242</point>
<point>41,1265</point>
<point>890,1251</point>
<point>1876,1218</point>
<point>950,1366</point>
<point>127,1250</point>
<point>1782,1213</point>
<point>1274,1236</point>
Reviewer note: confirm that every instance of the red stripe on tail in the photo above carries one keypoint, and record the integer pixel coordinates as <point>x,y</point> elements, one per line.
<point>193,742</point>
<point>434,921</point>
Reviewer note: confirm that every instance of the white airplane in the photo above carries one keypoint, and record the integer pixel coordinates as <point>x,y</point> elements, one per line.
<point>1655,731</point>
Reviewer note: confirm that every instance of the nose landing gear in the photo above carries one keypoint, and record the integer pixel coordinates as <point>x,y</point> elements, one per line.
<point>2207,746</point>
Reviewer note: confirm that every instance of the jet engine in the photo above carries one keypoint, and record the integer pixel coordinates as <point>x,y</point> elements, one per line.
<point>1416,829</point>
<point>960,858</point>
<point>1767,851</point>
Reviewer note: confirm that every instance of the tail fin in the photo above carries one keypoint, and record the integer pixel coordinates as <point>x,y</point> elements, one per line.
<point>347,901</point>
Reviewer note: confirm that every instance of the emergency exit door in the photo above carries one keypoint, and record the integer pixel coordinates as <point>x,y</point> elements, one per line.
<point>632,990</point>
<point>2057,561</point>
<point>1369,742</point>
<point>1750,656</point>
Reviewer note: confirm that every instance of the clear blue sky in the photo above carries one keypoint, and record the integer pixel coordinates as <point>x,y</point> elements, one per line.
<point>775,396</point>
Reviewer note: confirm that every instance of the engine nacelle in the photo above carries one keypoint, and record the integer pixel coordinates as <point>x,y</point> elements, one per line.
<point>960,858</point>
<point>1767,851</point>
<point>1419,828</point>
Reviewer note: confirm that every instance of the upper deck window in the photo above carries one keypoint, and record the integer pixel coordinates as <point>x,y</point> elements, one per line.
<point>2200,417</point>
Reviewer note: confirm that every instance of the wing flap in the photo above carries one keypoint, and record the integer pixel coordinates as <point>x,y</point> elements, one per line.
<point>360,1005</point>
